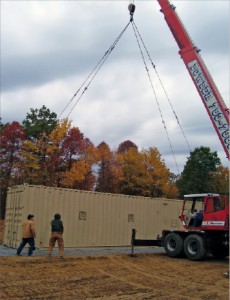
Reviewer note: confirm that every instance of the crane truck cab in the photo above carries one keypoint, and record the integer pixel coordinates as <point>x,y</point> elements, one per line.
<point>205,211</point>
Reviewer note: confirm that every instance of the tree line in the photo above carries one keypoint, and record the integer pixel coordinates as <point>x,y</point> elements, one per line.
<point>46,151</point>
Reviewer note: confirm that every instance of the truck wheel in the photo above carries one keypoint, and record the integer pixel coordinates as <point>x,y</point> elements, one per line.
<point>195,248</point>
<point>173,244</point>
<point>220,251</point>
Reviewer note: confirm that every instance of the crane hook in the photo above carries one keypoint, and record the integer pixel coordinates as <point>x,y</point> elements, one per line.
<point>131,8</point>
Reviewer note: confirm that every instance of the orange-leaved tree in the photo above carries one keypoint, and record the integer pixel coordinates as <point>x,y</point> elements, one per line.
<point>79,157</point>
<point>145,174</point>
<point>55,163</point>
<point>107,170</point>
<point>135,178</point>
<point>29,167</point>
<point>159,183</point>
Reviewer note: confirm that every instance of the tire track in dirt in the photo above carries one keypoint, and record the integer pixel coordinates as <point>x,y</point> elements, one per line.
<point>141,277</point>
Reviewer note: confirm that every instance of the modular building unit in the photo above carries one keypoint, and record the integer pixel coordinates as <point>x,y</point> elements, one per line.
<point>91,219</point>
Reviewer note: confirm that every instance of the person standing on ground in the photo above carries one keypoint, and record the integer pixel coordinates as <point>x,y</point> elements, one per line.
<point>57,230</point>
<point>28,235</point>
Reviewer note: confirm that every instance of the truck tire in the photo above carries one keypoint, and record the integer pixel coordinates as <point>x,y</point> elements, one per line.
<point>220,251</point>
<point>195,247</point>
<point>173,245</point>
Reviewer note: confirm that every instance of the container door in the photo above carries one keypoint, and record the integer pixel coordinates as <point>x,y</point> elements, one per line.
<point>14,211</point>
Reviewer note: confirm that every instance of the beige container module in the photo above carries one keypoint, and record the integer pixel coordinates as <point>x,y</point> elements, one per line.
<point>91,219</point>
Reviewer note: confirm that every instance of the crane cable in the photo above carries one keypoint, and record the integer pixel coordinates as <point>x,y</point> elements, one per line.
<point>161,83</point>
<point>156,98</point>
<point>99,65</point>
<point>93,73</point>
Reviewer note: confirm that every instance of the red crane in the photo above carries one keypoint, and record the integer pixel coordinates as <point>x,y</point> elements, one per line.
<point>213,102</point>
<point>205,217</point>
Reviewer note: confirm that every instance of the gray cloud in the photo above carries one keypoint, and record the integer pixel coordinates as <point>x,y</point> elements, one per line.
<point>49,47</point>
<point>36,70</point>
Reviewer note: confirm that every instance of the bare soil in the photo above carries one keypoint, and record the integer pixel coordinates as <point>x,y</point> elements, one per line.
<point>143,276</point>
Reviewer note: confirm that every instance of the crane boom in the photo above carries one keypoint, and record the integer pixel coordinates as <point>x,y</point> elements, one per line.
<point>213,102</point>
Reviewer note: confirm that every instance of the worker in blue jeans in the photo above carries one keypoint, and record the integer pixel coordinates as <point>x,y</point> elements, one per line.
<point>28,235</point>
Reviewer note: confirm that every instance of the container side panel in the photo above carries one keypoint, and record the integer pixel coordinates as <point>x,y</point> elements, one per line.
<point>89,218</point>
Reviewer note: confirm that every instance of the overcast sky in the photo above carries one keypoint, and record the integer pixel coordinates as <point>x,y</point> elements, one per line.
<point>48,48</point>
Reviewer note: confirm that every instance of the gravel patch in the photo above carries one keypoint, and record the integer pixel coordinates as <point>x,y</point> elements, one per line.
<point>7,251</point>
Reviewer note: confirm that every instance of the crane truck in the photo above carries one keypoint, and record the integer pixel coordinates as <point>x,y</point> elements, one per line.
<point>209,233</point>
<point>205,217</point>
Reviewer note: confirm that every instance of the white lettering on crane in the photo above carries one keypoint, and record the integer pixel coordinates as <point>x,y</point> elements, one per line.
<point>213,223</point>
<point>210,101</point>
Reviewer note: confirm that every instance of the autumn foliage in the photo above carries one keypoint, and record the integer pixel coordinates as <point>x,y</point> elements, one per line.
<point>51,152</point>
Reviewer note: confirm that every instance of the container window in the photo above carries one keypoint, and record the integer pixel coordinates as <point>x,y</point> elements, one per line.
<point>82,215</point>
<point>130,217</point>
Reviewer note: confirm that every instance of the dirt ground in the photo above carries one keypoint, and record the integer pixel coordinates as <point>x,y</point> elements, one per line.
<point>143,276</point>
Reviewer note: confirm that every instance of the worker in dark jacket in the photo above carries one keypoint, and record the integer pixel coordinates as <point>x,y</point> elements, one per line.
<point>57,230</point>
<point>198,218</point>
